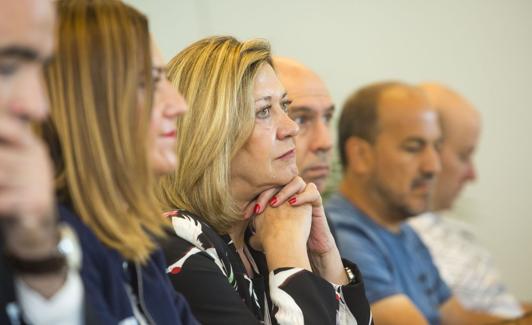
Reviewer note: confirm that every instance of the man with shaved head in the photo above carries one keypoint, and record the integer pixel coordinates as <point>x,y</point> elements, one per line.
<point>311,107</point>
<point>389,140</point>
<point>465,266</point>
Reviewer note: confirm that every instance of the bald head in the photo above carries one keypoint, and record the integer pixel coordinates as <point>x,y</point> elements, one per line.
<point>311,108</point>
<point>298,79</point>
<point>460,123</point>
<point>455,111</point>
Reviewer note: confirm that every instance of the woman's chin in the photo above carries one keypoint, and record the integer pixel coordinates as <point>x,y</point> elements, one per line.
<point>164,164</point>
<point>285,176</point>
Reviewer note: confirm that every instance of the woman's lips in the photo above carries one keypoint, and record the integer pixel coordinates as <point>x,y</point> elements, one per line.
<point>170,134</point>
<point>287,155</point>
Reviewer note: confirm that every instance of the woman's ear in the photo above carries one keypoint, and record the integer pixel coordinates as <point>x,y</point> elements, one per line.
<point>359,154</point>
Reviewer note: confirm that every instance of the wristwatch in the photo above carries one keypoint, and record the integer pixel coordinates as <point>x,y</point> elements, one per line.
<point>66,255</point>
<point>350,275</point>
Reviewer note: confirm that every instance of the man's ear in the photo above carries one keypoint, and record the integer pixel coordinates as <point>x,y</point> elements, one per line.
<point>359,154</point>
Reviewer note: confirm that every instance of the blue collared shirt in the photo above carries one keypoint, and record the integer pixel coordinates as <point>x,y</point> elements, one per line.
<point>391,263</point>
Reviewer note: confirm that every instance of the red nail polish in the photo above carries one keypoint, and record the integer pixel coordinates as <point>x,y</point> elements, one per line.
<point>273,200</point>
<point>256,209</point>
<point>292,200</point>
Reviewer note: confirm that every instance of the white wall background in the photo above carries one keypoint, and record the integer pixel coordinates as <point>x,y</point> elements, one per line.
<point>483,48</point>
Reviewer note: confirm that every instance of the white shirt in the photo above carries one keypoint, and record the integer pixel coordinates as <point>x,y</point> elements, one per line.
<point>467,268</point>
<point>64,308</point>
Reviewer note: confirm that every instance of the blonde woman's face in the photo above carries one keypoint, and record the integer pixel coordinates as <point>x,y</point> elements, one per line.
<point>269,156</point>
<point>168,104</point>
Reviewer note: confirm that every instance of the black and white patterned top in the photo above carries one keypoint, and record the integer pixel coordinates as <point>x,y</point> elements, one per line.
<point>206,268</point>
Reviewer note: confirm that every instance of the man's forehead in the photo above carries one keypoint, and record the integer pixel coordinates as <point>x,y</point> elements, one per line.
<point>299,80</point>
<point>414,123</point>
<point>308,91</point>
<point>318,103</point>
<point>402,95</point>
<point>301,84</point>
<point>400,99</point>
<point>25,22</point>
<point>405,108</point>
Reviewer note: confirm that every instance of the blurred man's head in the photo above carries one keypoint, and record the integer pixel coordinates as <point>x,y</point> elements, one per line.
<point>26,43</point>
<point>460,124</point>
<point>312,109</point>
<point>389,137</point>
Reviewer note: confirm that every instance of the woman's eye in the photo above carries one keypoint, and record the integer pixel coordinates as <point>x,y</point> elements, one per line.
<point>157,75</point>
<point>156,78</point>
<point>264,112</point>
<point>285,105</point>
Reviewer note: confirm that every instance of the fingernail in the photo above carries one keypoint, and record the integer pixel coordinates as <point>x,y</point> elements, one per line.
<point>273,200</point>
<point>292,200</point>
<point>256,209</point>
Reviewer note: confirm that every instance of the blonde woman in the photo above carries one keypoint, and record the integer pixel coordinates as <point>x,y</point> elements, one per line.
<point>113,115</point>
<point>236,154</point>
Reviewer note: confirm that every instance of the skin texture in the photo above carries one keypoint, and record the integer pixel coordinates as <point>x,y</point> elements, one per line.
<point>26,185</point>
<point>311,107</point>
<point>391,179</point>
<point>291,229</point>
<point>168,105</point>
<point>268,158</point>
<point>461,125</point>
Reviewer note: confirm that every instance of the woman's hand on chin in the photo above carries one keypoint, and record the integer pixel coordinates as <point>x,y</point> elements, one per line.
<point>293,232</point>
<point>295,193</point>
<point>320,240</point>
<point>274,197</point>
<point>323,252</point>
<point>282,233</point>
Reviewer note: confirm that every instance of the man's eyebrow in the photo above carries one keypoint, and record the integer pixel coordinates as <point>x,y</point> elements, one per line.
<point>301,109</point>
<point>19,52</point>
<point>306,109</point>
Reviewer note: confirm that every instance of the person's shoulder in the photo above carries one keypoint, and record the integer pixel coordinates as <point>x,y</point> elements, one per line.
<point>416,247</point>
<point>411,236</point>
<point>343,212</point>
<point>193,230</point>
<point>358,240</point>
<point>86,236</point>
<point>95,253</point>
<point>442,226</point>
<point>193,240</point>
<point>348,218</point>
<point>458,227</point>
<point>424,221</point>
<point>67,215</point>
<point>337,202</point>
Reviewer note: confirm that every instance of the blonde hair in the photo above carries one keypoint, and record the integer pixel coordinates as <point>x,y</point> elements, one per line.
<point>216,77</point>
<point>98,133</point>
